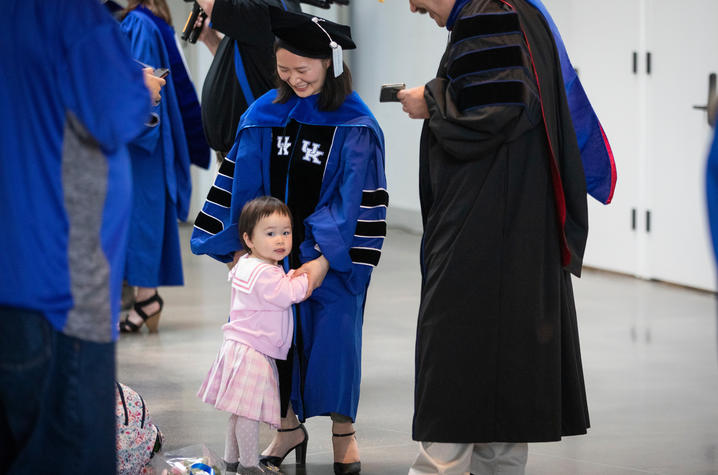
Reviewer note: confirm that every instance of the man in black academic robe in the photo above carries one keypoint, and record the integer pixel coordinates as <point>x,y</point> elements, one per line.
<point>503,199</point>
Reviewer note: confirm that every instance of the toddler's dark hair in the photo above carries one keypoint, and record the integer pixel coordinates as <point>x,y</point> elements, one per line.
<point>257,209</point>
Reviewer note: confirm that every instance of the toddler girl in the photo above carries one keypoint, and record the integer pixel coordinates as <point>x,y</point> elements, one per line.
<point>243,379</point>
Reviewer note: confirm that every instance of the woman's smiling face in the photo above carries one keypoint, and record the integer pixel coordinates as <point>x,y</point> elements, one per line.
<point>304,75</point>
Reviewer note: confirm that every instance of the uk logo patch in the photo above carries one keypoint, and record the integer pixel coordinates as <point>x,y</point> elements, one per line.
<point>283,145</point>
<point>312,152</point>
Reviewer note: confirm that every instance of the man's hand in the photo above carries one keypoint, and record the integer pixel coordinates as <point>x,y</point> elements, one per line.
<point>208,36</point>
<point>413,102</point>
<point>207,6</point>
<point>153,84</point>
<point>316,270</point>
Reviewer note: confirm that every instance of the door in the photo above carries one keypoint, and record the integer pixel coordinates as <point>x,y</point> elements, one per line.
<point>681,61</point>
<point>605,65</point>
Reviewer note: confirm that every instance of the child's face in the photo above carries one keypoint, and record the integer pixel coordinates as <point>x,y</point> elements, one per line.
<point>271,238</point>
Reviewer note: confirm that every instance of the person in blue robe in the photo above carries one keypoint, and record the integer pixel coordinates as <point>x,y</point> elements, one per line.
<point>161,184</point>
<point>71,98</point>
<point>712,192</point>
<point>184,89</point>
<point>314,144</point>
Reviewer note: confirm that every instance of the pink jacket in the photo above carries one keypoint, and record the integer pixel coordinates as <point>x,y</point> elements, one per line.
<point>260,314</point>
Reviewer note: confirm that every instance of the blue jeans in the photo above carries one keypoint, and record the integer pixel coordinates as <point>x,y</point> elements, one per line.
<point>57,399</point>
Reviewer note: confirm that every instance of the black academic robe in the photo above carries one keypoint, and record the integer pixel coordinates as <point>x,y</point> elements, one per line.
<point>503,200</point>
<point>243,68</point>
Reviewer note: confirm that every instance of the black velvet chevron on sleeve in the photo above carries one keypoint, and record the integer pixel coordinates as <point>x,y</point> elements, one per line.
<point>374,198</point>
<point>227,168</point>
<point>366,256</point>
<point>498,92</point>
<point>208,223</point>
<point>370,229</point>
<point>220,197</point>
<point>487,59</point>
<point>485,24</point>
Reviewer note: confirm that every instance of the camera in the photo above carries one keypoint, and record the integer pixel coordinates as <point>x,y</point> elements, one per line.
<point>190,32</point>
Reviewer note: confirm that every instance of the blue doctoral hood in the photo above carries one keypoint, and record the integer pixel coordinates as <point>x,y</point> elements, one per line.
<point>596,154</point>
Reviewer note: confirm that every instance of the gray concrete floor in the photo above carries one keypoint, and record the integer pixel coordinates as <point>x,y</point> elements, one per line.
<point>649,355</point>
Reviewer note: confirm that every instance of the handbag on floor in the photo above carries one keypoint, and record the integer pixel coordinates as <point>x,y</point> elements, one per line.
<point>138,439</point>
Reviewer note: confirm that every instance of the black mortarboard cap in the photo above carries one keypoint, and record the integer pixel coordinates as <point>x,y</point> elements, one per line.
<point>307,35</point>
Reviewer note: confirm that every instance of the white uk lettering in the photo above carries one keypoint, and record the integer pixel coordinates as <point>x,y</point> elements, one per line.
<point>283,145</point>
<point>311,154</point>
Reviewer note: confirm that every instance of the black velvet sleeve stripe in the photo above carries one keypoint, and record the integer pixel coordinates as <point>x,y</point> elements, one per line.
<point>485,24</point>
<point>227,168</point>
<point>371,229</point>
<point>219,197</point>
<point>364,256</point>
<point>504,92</point>
<point>484,60</point>
<point>208,223</point>
<point>372,199</point>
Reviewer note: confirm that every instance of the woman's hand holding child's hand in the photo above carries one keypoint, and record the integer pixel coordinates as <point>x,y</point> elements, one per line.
<point>315,270</point>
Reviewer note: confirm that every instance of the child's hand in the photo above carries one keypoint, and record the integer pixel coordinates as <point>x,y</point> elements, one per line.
<point>315,270</point>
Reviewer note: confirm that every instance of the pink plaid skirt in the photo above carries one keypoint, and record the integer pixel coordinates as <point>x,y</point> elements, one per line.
<point>243,381</point>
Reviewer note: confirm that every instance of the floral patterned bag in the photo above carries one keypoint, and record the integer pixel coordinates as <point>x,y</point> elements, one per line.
<point>138,439</point>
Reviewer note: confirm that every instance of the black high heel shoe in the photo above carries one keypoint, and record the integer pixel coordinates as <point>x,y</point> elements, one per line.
<point>346,468</point>
<point>300,450</point>
<point>152,321</point>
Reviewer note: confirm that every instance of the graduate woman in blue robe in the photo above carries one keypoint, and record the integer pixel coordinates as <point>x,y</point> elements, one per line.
<point>314,144</point>
<point>161,180</point>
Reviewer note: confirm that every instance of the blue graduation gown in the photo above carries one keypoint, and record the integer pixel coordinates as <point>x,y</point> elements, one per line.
<point>184,90</point>
<point>329,168</point>
<point>82,74</point>
<point>160,173</point>
<point>712,192</point>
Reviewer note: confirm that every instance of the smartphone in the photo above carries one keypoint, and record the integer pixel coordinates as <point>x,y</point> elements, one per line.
<point>160,72</point>
<point>388,92</point>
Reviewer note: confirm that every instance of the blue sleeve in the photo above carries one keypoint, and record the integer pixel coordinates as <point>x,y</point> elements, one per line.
<point>349,229</point>
<point>239,179</point>
<point>145,43</point>
<point>712,192</point>
<point>107,93</point>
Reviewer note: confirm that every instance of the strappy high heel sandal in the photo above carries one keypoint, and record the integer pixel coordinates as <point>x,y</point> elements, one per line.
<point>300,451</point>
<point>346,468</point>
<point>152,321</point>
